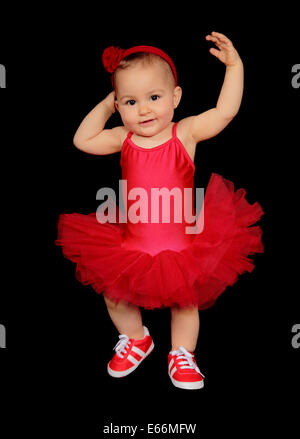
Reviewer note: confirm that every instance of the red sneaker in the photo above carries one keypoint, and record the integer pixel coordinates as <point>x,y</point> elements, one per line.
<point>129,354</point>
<point>183,370</point>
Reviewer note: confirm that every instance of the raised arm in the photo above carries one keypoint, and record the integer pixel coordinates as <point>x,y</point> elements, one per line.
<point>91,137</point>
<point>211,122</point>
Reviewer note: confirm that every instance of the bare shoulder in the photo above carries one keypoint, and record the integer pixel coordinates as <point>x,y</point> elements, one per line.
<point>185,137</point>
<point>122,132</point>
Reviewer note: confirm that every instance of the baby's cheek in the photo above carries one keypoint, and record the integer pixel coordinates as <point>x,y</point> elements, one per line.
<point>128,114</point>
<point>128,120</point>
<point>168,113</point>
<point>124,116</point>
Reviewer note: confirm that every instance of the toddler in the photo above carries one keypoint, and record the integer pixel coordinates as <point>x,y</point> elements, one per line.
<point>151,259</point>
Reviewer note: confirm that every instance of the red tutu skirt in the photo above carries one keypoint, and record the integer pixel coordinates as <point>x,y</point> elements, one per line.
<point>196,275</point>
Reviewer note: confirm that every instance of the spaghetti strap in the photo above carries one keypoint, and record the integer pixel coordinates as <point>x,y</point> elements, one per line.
<point>174,129</point>
<point>129,134</point>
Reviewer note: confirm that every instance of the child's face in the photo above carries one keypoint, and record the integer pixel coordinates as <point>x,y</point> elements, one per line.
<point>146,98</point>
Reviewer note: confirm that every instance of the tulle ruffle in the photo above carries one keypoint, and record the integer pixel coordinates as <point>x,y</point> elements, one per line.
<point>196,275</point>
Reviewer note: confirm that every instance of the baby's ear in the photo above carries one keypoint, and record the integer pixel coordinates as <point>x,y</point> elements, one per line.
<point>177,96</point>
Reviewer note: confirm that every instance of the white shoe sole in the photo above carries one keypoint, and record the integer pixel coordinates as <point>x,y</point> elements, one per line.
<point>187,385</point>
<point>124,373</point>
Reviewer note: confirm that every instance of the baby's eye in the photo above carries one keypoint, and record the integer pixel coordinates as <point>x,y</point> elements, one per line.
<point>130,102</point>
<point>154,97</point>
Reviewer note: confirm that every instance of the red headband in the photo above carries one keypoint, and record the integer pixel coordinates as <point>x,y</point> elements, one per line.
<point>112,56</point>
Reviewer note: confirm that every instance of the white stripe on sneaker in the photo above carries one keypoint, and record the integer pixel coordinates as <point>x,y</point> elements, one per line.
<point>133,360</point>
<point>171,364</point>
<point>138,351</point>
<point>173,371</point>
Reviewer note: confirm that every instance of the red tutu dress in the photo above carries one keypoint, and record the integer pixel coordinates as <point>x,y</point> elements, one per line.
<point>158,264</point>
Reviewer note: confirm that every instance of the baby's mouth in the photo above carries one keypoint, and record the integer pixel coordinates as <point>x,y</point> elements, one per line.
<point>146,122</point>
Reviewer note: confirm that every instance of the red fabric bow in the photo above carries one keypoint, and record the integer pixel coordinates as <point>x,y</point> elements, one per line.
<point>111,58</point>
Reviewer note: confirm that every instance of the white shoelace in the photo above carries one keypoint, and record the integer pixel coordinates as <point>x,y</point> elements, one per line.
<point>187,360</point>
<point>122,345</point>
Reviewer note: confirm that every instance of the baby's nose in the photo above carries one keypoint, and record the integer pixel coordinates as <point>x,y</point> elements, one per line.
<point>144,108</point>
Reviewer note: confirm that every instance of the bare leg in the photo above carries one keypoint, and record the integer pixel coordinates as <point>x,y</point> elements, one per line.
<point>126,317</point>
<point>185,324</point>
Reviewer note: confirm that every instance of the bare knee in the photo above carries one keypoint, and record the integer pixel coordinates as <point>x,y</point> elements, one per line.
<point>114,305</point>
<point>111,304</point>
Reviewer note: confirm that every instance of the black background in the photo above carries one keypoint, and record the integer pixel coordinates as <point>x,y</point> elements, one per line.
<point>59,336</point>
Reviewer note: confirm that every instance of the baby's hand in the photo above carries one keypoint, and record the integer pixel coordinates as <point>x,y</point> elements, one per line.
<point>227,53</point>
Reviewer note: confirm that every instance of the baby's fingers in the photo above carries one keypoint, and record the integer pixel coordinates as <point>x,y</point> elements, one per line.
<point>218,42</point>
<point>216,53</point>
<point>222,38</point>
<point>214,40</point>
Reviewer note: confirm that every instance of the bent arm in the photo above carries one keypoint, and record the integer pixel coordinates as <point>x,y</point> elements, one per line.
<point>213,121</point>
<point>91,137</point>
